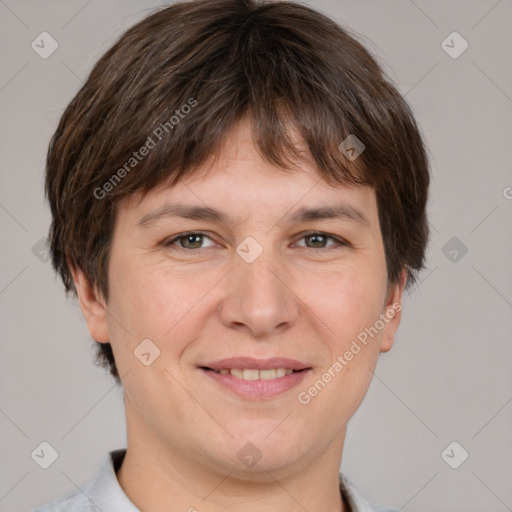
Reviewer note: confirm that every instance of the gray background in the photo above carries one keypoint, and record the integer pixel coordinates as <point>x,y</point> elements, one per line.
<point>448,377</point>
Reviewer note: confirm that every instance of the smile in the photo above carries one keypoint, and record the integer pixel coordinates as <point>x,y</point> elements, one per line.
<point>254,374</point>
<point>253,384</point>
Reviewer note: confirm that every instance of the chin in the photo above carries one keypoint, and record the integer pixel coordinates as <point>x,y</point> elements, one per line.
<point>251,459</point>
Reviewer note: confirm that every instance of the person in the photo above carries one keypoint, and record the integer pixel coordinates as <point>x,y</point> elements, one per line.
<point>238,196</point>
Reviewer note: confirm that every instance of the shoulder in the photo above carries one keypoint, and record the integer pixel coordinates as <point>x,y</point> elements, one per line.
<point>101,493</point>
<point>356,501</point>
<point>74,502</point>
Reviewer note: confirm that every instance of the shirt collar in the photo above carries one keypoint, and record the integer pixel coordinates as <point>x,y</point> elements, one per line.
<point>107,494</point>
<point>356,501</point>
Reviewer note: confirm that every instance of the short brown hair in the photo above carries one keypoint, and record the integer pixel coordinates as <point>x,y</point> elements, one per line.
<point>177,81</point>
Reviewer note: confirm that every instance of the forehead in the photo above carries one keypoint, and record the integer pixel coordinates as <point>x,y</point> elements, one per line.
<point>237,183</point>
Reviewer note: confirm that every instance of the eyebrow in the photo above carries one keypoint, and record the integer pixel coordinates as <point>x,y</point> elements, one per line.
<point>339,211</point>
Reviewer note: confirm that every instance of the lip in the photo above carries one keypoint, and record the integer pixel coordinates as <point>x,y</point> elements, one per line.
<point>257,389</point>
<point>256,364</point>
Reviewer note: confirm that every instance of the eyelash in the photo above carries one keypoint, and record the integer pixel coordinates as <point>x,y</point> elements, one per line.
<point>339,242</point>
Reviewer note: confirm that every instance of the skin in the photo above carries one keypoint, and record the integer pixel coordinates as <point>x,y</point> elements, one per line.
<point>302,298</point>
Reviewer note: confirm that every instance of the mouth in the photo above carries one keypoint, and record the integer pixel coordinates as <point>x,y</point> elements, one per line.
<point>256,379</point>
<point>253,373</point>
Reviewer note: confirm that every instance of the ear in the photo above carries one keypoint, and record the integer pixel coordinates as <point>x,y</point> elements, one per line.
<point>393,312</point>
<point>92,305</point>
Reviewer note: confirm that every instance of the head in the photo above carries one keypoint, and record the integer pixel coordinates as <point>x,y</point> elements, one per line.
<point>241,107</point>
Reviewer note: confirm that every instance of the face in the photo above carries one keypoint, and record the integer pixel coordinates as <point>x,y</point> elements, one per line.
<point>262,281</point>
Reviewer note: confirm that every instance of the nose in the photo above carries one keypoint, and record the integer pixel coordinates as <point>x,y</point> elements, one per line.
<point>258,298</point>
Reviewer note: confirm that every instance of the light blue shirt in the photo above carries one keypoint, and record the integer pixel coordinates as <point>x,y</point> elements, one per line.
<point>105,494</point>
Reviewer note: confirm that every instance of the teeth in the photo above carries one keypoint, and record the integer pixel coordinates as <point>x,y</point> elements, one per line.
<point>239,374</point>
<point>252,374</point>
<point>267,374</point>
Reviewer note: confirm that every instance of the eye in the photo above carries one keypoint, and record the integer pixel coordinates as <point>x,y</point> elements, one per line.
<point>188,241</point>
<point>319,239</point>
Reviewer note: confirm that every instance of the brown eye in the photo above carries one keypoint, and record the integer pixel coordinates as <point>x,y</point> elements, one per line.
<point>188,241</point>
<point>317,240</point>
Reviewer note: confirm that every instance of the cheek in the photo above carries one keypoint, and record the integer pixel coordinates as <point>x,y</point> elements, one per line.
<point>147,297</point>
<point>348,308</point>
<point>346,301</point>
<point>153,302</point>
